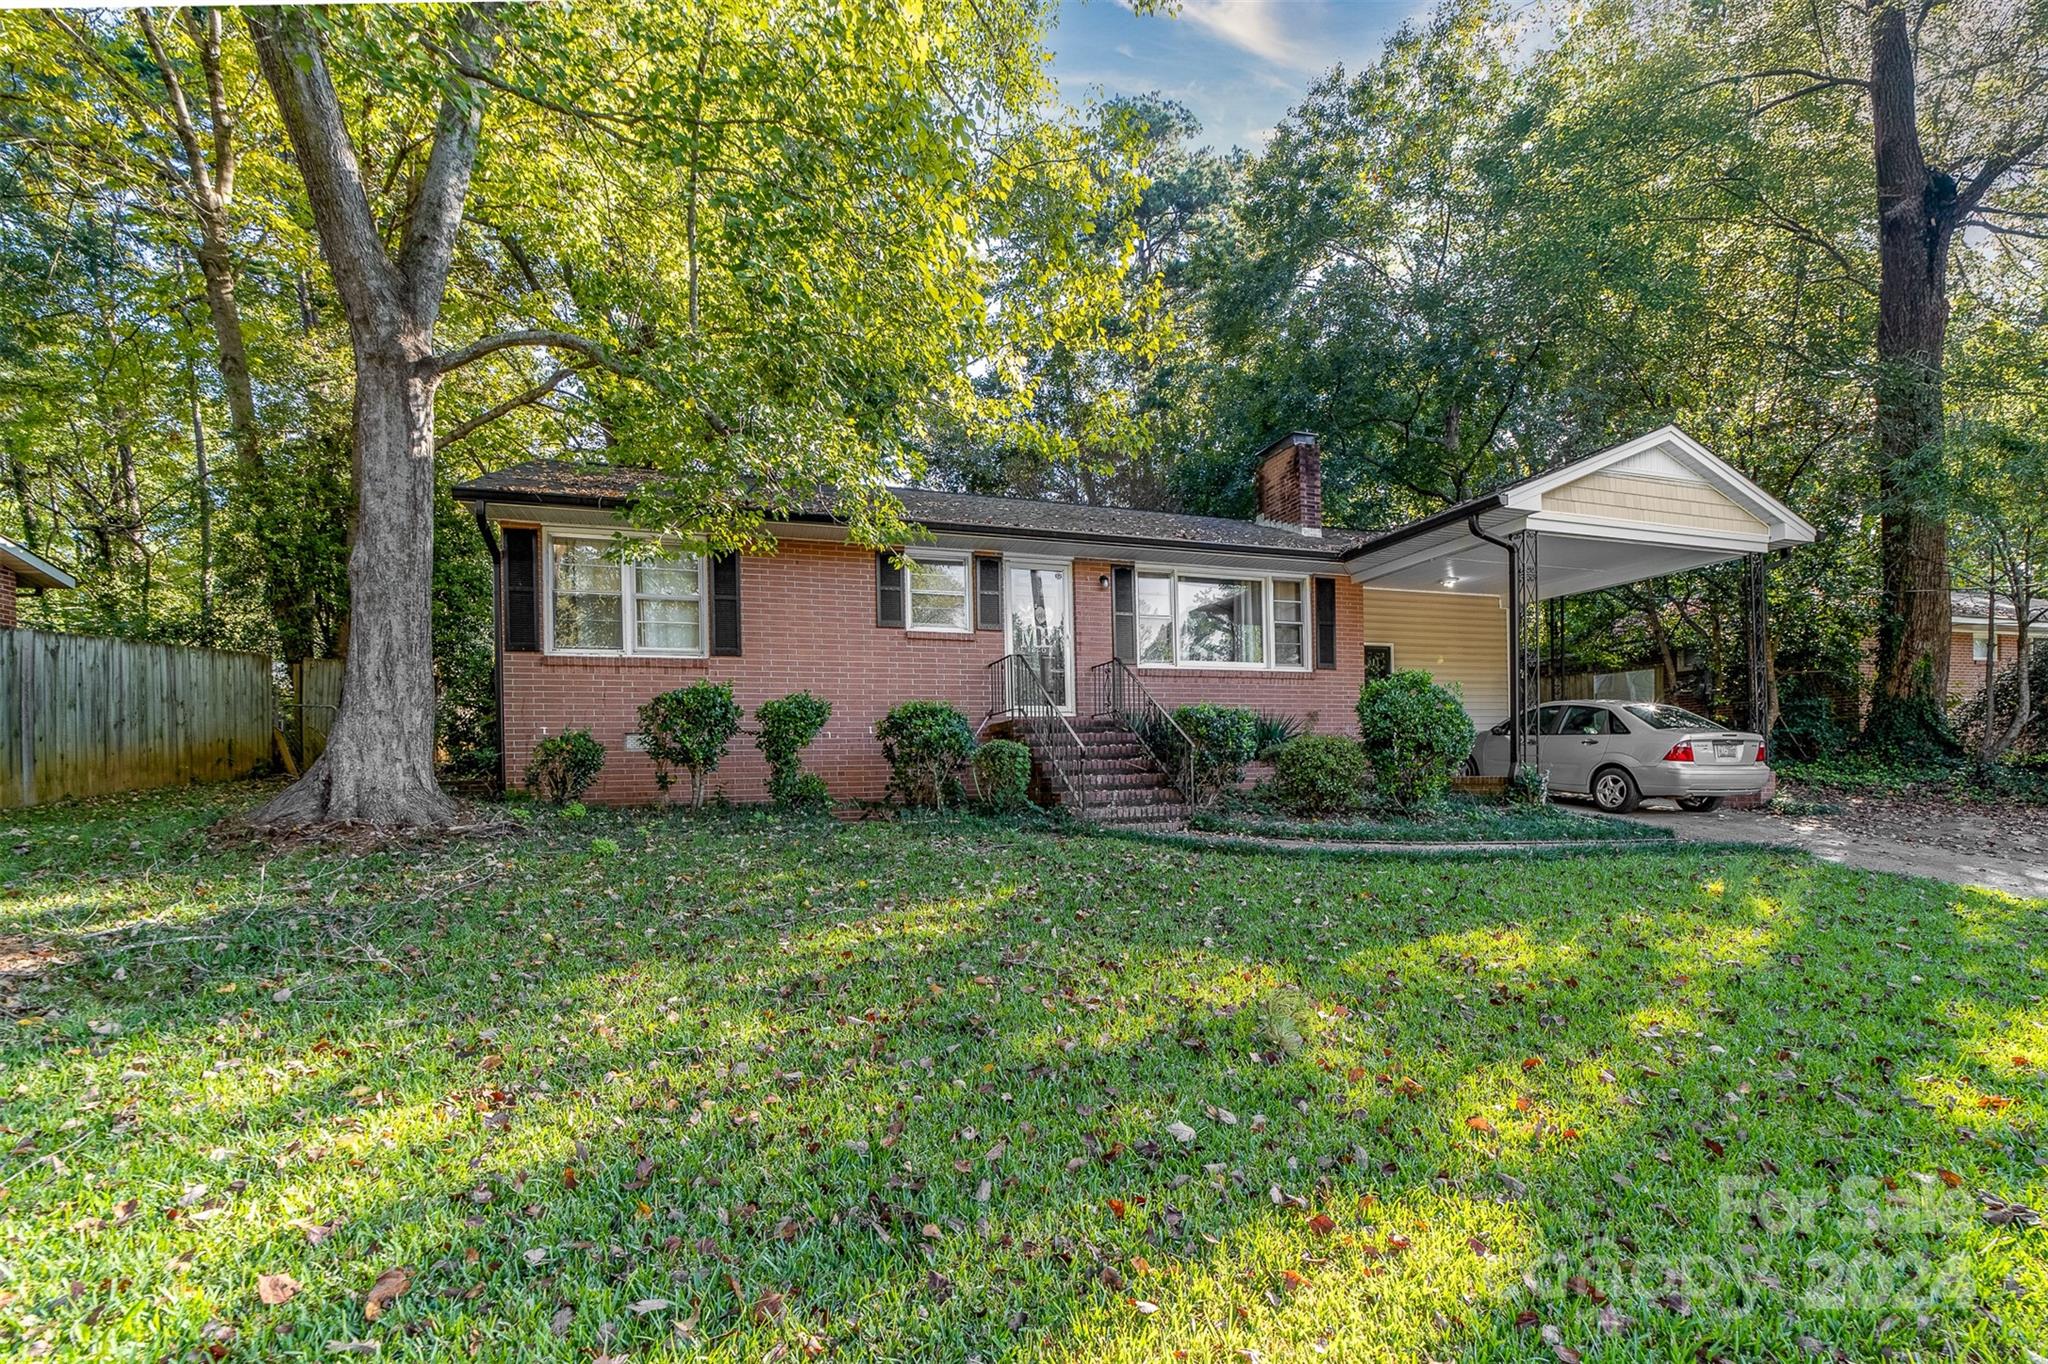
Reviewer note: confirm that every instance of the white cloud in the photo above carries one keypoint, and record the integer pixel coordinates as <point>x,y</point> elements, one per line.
<point>1270,30</point>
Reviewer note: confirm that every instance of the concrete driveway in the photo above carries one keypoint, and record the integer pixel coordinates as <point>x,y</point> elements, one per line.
<point>1996,847</point>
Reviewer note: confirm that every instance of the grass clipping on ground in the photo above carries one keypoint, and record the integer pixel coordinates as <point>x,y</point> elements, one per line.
<point>642,1087</point>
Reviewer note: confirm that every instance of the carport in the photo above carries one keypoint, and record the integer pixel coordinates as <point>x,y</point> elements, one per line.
<point>1659,504</point>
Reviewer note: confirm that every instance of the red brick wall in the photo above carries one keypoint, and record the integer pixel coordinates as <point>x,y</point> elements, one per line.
<point>7,586</point>
<point>1966,674</point>
<point>1290,485</point>
<point>808,623</point>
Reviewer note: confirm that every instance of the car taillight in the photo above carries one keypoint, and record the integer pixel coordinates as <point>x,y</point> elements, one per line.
<point>1680,753</point>
<point>1759,752</point>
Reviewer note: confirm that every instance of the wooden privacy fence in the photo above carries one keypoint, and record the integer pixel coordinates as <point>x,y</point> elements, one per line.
<point>316,699</point>
<point>85,716</point>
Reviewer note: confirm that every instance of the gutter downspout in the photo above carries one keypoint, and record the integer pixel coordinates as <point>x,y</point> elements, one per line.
<point>1518,704</point>
<point>483,527</point>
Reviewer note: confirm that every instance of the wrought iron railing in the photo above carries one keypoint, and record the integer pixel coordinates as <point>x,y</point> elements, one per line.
<point>1115,692</point>
<point>1017,691</point>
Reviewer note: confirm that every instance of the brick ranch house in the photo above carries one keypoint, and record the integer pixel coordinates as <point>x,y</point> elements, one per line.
<point>1078,617</point>
<point>21,568</point>
<point>1969,641</point>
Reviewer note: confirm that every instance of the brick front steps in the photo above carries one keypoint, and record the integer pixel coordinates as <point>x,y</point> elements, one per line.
<point>1122,787</point>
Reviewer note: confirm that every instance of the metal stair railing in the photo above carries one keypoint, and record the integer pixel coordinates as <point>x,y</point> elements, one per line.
<point>1016,690</point>
<point>1118,694</point>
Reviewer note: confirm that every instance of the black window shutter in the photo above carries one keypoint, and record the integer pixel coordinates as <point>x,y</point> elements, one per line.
<point>888,593</point>
<point>1326,622</point>
<point>522,592</point>
<point>988,592</point>
<point>725,605</point>
<point>1123,607</point>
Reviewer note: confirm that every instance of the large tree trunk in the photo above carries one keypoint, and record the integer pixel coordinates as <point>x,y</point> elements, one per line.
<point>1917,214</point>
<point>378,767</point>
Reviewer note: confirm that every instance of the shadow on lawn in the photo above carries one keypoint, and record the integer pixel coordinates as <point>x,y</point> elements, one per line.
<point>805,1097</point>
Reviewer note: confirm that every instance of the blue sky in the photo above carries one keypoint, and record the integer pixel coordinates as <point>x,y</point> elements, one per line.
<point>1240,65</point>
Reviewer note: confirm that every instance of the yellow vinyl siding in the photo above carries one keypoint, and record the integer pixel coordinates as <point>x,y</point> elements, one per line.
<point>1650,501</point>
<point>1459,638</point>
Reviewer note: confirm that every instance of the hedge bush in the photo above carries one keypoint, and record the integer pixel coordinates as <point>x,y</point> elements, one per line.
<point>1319,774</point>
<point>1416,736</point>
<point>562,766</point>
<point>786,727</point>
<point>925,742</point>
<point>1225,739</point>
<point>1002,774</point>
<point>689,728</point>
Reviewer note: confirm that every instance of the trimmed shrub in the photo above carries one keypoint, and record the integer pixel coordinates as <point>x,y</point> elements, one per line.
<point>1002,773</point>
<point>925,742</point>
<point>1319,774</point>
<point>563,766</point>
<point>689,728</point>
<point>1225,739</point>
<point>786,727</point>
<point>1416,736</point>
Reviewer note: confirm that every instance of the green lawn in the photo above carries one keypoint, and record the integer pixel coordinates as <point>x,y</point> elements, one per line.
<point>1458,819</point>
<point>637,1087</point>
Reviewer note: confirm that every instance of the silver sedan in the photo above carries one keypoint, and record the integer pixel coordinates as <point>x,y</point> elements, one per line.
<point>1618,752</point>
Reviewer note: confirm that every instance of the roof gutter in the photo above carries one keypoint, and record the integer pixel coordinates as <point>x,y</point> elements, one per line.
<point>1449,516</point>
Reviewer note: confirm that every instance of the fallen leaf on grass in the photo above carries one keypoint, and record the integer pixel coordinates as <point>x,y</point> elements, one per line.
<point>769,1308</point>
<point>1322,1224</point>
<point>1144,1309</point>
<point>274,1290</point>
<point>646,1305</point>
<point>1479,1124</point>
<point>390,1284</point>
<point>1180,1132</point>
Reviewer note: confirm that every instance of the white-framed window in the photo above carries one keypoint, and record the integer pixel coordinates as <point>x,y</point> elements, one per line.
<point>1290,623</point>
<point>650,602</point>
<point>1980,647</point>
<point>937,587</point>
<point>1203,619</point>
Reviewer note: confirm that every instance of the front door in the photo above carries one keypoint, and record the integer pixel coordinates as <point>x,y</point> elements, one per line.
<point>1042,633</point>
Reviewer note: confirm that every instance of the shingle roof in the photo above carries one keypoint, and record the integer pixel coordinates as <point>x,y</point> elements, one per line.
<point>545,482</point>
<point>1967,604</point>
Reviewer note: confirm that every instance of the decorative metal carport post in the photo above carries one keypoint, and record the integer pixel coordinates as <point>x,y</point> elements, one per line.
<point>1757,630</point>
<point>1525,644</point>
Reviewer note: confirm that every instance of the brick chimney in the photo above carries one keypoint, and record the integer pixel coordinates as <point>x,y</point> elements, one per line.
<point>1290,482</point>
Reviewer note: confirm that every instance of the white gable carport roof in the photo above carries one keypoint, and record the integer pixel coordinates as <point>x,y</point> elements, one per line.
<point>1658,504</point>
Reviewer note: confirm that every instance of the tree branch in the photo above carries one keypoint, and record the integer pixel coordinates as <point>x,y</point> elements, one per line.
<point>428,245</point>
<point>470,426</point>
<point>449,361</point>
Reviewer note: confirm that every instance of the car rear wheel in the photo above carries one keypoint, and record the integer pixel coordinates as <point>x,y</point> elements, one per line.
<point>1699,804</point>
<point>1614,791</point>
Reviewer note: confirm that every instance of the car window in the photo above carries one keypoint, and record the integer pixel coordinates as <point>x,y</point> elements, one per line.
<point>1615,724</point>
<point>1584,720</point>
<point>1553,716</point>
<point>1670,717</point>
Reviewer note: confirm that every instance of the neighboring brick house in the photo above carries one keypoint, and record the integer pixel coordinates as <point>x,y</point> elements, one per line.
<point>1278,614</point>
<point>1970,639</point>
<point>20,568</point>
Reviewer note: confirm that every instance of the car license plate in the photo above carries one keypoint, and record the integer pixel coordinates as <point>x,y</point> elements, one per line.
<point>1727,750</point>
